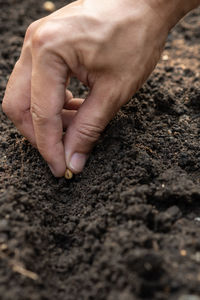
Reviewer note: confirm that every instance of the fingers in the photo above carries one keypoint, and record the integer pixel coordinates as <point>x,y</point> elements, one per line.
<point>35,98</point>
<point>16,102</point>
<point>47,100</point>
<point>73,104</point>
<point>67,117</point>
<point>17,98</point>
<point>70,108</point>
<point>87,125</point>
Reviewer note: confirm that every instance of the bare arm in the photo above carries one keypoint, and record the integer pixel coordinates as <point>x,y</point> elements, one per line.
<point>171,11</point>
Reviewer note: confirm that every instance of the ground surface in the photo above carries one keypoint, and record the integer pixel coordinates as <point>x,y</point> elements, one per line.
<point>128,227</point>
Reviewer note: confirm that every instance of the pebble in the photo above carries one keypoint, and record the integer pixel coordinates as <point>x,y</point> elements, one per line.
<point>169,131</point>
<point>165,57</point>
<point>3,225</point>
<point>3,247</point>
<point>183,252</point>
<point>49,6</point>
<point>196,257</point>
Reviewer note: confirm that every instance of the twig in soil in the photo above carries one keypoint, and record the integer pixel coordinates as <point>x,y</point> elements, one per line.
<point>190,26</point>
<point>26,273</point>
<point>18,268</point>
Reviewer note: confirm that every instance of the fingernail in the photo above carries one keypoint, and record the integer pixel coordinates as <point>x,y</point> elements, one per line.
<point>77,162</point>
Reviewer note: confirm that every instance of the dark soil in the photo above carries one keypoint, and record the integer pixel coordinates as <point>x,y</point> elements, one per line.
<point>128,227</point>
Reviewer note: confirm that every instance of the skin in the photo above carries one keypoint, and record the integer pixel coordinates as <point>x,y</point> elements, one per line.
<point>111,46</point>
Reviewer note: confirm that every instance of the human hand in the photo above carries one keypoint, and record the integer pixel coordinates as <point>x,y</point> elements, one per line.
<point>111,46</point>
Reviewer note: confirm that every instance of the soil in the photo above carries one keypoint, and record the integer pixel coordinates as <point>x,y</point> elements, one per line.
<point>128,227</point>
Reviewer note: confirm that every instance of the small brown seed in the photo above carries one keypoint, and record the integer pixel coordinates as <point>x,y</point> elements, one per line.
<point>49,6</point>
<point>68,174</point>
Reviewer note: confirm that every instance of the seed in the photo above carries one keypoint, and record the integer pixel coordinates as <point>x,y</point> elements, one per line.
<point>68,174</point>
<point>49,6</point>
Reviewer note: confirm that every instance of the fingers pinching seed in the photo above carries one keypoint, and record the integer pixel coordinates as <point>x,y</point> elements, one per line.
<point>68,174</point>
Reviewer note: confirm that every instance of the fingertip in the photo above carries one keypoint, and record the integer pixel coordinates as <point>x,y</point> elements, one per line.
<point>87,125</point>
<point>52,170</point>
<point>68,95</point>
<point>55,172</point>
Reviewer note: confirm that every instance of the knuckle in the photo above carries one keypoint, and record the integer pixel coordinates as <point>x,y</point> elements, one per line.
<point>89,132</point>
<point>38,114</point>
<point>45,35</point>
<point>31,29</point>
<point>6,108</point>
<point>11,112</point>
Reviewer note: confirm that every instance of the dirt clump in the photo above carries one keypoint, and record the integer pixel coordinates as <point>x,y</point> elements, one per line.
<point>128,227</point>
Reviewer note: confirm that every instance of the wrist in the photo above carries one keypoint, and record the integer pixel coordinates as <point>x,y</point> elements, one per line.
<point>171,11</point>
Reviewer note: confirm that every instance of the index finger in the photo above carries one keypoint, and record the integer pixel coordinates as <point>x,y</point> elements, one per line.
<point>48,85</point>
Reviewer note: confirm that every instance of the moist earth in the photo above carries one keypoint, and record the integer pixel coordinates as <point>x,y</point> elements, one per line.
<point>128,227</point>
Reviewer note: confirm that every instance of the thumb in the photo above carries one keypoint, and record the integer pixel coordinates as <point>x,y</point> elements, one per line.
<point>89,122</point>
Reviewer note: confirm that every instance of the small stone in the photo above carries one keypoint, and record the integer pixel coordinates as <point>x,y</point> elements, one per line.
<point>49,6</point>
<point>169,131</point>
<point>165,57</point>
<point>3,247</point>
<point>174,212</point>
<point>183,252</point>
<point>196,257</point>
<point>3,225</point>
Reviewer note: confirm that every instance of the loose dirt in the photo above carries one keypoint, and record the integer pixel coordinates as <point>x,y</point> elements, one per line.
<point>128,227</point>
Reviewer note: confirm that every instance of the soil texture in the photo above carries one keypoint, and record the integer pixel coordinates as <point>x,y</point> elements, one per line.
<point>128,227</point>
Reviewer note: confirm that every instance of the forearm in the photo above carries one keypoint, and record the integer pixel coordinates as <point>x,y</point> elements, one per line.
<point>171,11</point>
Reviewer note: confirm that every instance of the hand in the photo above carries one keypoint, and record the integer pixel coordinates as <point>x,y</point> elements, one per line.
<point>111,46</point>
